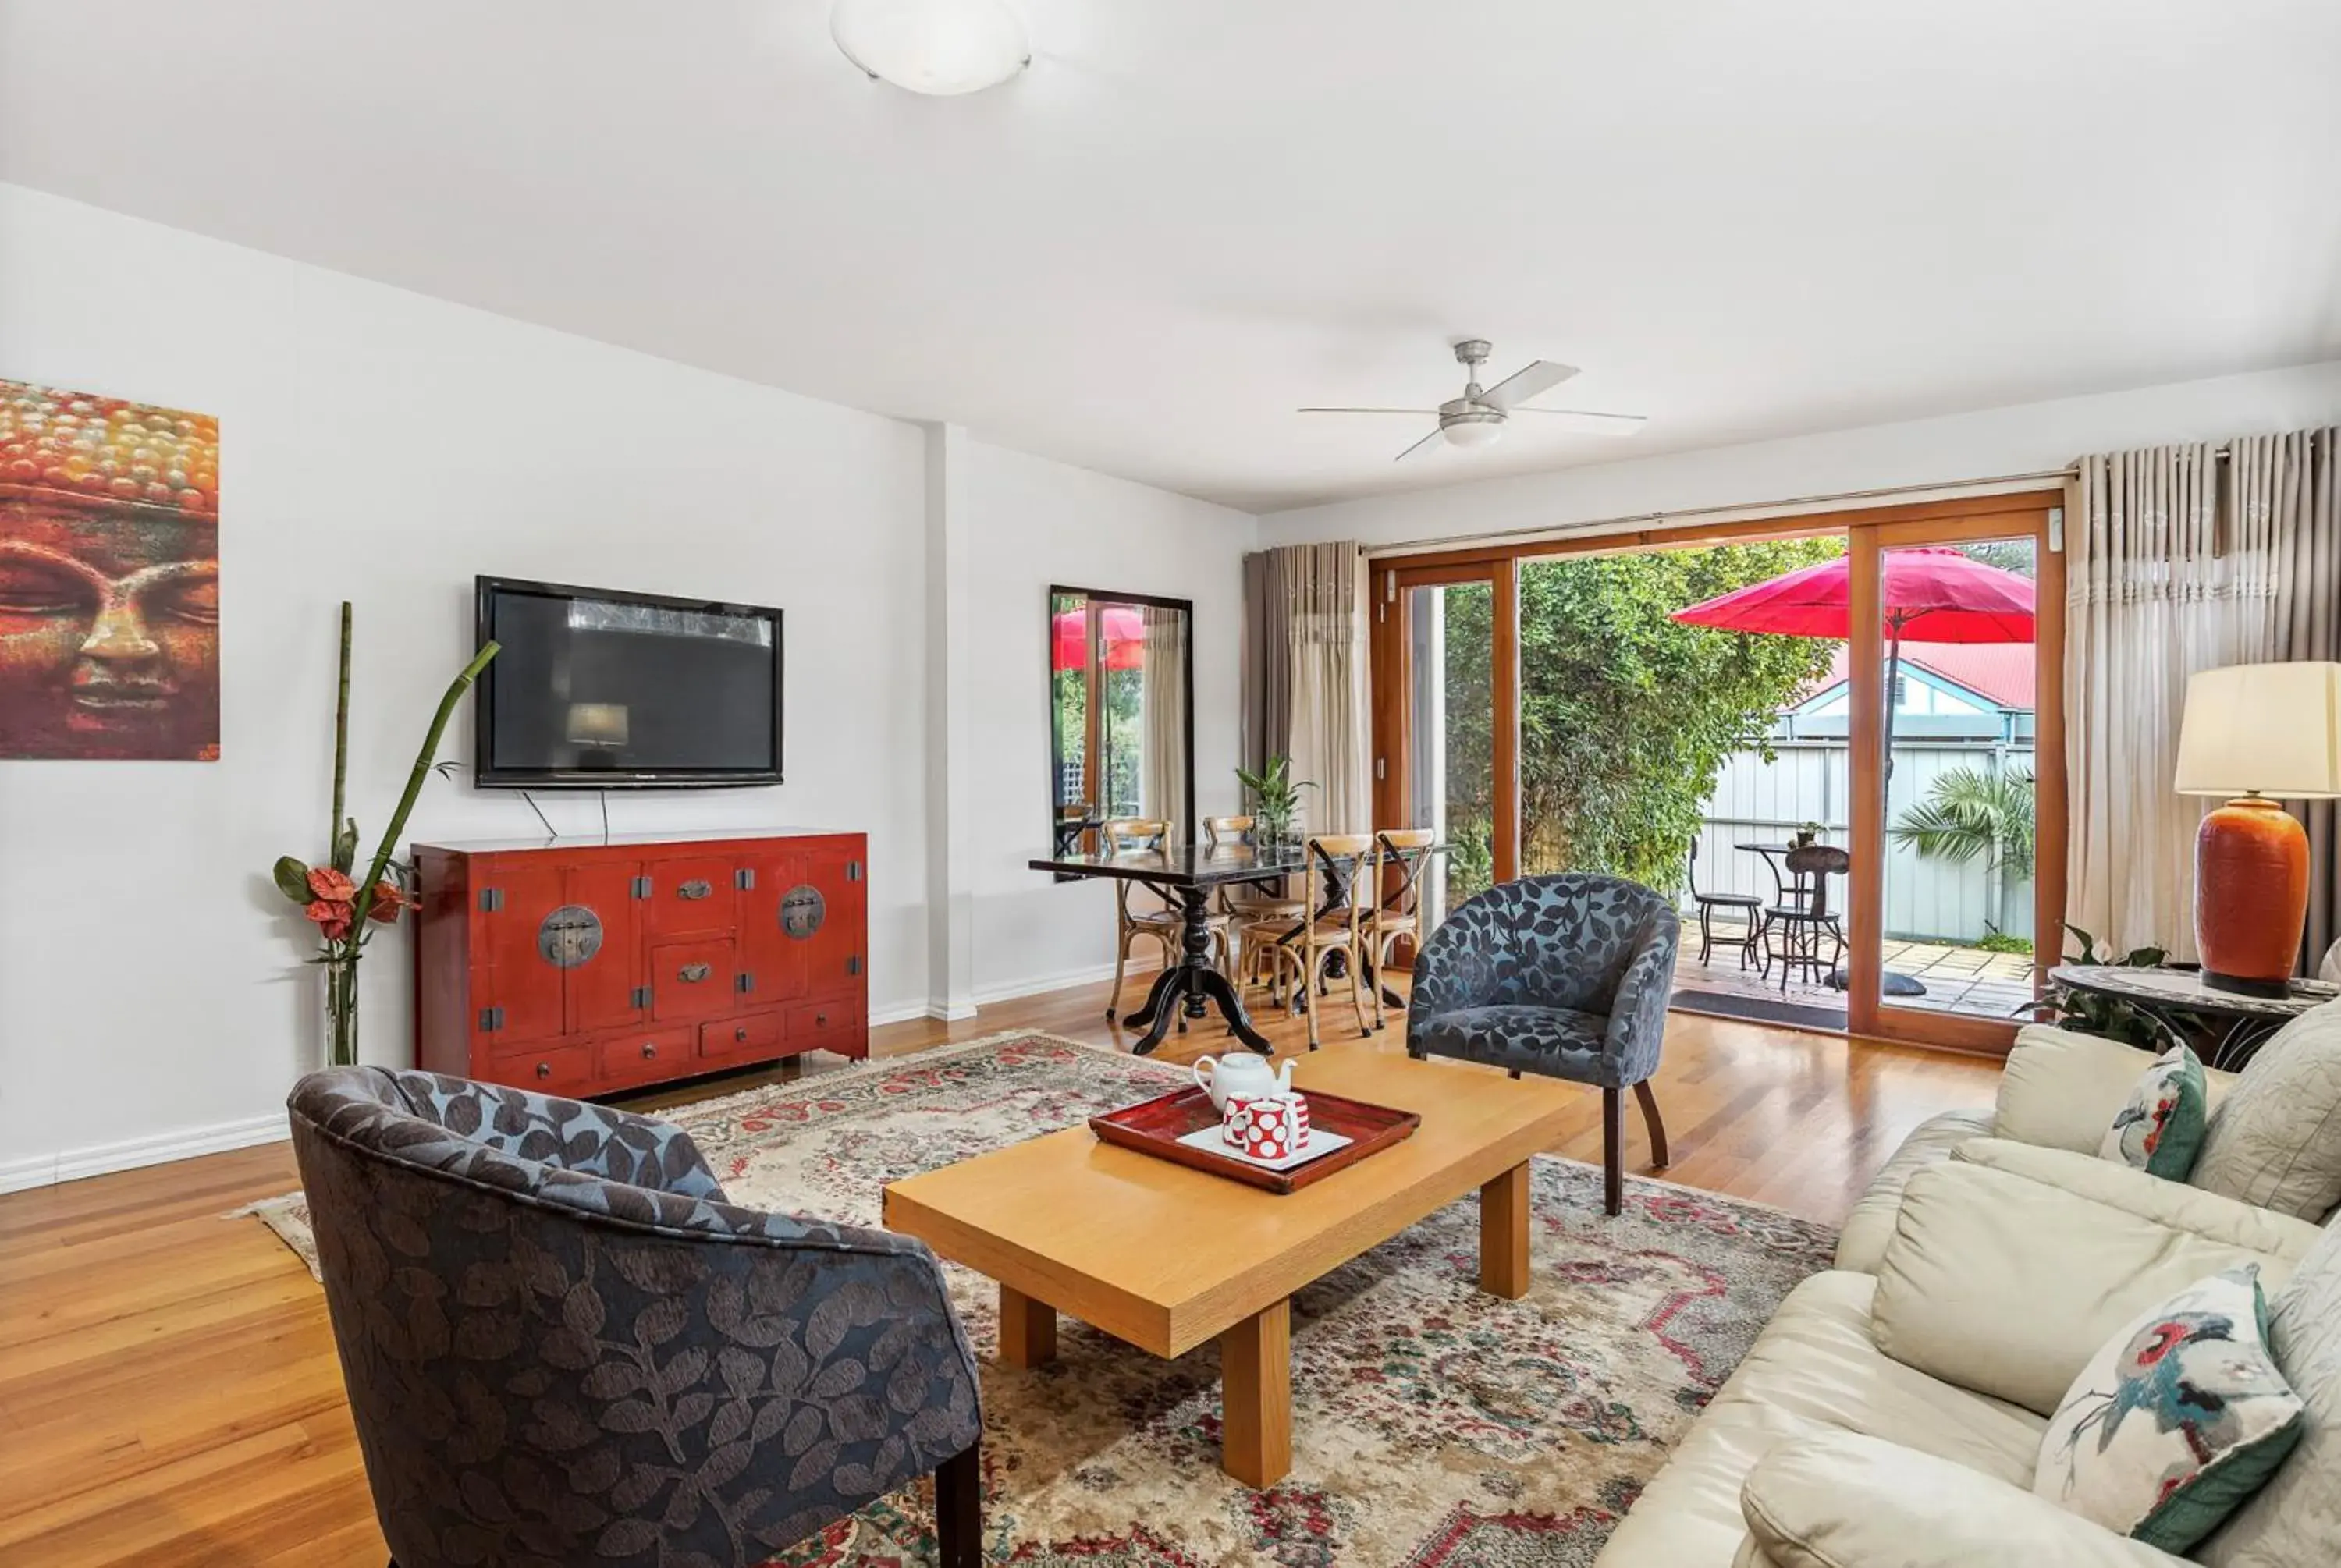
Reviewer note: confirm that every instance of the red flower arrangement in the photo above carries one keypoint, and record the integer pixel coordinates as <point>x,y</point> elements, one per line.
<point>344,907</point>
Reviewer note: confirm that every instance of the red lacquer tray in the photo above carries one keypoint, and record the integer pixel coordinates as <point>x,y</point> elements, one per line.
<point>1155,1127</point>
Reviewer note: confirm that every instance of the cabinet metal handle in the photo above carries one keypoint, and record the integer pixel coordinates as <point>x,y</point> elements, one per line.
<point>691,974</point>
<point>740,1036</point>
<point>820,1018</point>
<point>697,888</point>
<point>544,1069</point>
<point>650,1049</point>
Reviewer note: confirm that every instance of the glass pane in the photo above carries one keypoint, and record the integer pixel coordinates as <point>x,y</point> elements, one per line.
<point>1960,680</point>
<point>1451,768</point>
<point>1680,756</point>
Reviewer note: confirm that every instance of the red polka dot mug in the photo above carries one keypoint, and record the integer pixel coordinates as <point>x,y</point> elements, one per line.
<point>1266,1127</point>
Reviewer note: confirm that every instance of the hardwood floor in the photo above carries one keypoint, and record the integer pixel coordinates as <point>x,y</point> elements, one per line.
<point>168,1389</point>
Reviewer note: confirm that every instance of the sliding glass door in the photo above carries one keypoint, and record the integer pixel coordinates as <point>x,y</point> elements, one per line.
<point>1445,682</point>
<point>1708,715</point>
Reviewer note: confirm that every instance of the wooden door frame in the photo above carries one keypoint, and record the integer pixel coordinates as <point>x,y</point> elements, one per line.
<point>1392,630</point>
<point>2032,516</point>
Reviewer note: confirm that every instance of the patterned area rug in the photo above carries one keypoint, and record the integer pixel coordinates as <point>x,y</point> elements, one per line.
<point>1432,1424</point>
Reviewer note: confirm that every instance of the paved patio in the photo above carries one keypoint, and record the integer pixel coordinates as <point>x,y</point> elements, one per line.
<point>1966,981</point>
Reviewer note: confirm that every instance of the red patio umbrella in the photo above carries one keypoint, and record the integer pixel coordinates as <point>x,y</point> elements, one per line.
<point>1932,592</point>
<point>1123,627</point>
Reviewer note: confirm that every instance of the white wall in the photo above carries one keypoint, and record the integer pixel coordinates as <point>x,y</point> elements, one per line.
<point>384,447</point>
<point>1039,523</point>
<point>2026,439</point>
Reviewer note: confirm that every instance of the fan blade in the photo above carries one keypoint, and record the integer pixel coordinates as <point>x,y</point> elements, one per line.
<point>1419,412</point>
<point>1536,376</point>
<point>1436,431</point>
<point>1592,421</point>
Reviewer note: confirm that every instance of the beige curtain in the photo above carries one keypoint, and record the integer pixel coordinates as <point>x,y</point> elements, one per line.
<point>1164,717</point>
<point>1306,668</point>
<point>1333,725</point>
<point>2177,563</point>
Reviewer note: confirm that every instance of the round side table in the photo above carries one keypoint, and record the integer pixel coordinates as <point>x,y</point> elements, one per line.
<point>2179,997</point>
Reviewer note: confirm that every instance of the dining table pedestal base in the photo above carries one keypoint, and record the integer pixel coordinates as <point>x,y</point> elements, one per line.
<point>1193,983</point>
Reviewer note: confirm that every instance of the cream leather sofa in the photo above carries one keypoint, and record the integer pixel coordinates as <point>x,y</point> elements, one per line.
<point>1890,1414</point>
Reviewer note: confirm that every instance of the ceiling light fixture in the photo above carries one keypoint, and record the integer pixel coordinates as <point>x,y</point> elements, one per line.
<point>941,47</point>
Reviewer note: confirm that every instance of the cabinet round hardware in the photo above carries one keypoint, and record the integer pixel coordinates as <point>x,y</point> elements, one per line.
<point>650,1049</point>
<point>569,937</point>
<point>697,888</point>
<point>820,1018</point>
<point>691,974</point>
<point>740,1036</point>
<point>802,910</point>
<point>544,1069</point>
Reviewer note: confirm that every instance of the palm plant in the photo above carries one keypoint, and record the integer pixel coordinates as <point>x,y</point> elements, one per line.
<point>1276,797</point>
<point>1969,812</point>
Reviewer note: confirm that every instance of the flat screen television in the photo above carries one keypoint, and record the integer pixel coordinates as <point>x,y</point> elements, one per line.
<point>596,689</point>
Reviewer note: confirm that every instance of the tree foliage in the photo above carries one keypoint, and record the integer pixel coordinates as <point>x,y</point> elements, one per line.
<point>1626,715</point>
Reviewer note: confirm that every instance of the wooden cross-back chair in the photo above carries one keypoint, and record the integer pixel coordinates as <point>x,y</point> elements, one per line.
<point>1249,904</point>
<point>1301,949</point>
<point>1126,835</point>
<point>1397,903</point>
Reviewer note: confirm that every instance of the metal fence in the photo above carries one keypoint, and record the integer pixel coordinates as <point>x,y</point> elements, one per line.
<point>1927,899</point>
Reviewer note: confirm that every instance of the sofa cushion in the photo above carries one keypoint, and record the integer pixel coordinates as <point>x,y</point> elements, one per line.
<point>2295,1518</point>
<point>2275,1140</point>
<point>2007,1287</point>
<point>2173,1204</point>
<point>1812,1371</point>
<point>2177,1419</point>
<point>2060,1089</point>
<point>1870,1226</point>
<point>2159,1127</point>
<point>1846,1502</point>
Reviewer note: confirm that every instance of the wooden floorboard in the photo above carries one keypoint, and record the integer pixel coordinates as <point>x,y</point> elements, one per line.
<point>169,1394</point>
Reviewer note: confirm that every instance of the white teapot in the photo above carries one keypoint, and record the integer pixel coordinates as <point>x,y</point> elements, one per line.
<point>1242,1077</point>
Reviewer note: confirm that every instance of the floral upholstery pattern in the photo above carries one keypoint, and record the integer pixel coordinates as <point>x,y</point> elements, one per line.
<point>564,1346</point>
<point>1565,975</point>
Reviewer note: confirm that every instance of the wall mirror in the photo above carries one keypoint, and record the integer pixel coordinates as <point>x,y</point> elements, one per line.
<point>1122,714</point>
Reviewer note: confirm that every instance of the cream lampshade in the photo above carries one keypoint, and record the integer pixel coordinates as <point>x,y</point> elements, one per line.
<point>2258,733</point>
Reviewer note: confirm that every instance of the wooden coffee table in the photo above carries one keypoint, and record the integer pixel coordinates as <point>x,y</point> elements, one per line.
<point>1165,1257</point>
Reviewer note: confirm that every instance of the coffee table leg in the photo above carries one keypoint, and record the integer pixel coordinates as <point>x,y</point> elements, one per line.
<point>1028,1329</point>
<point>1256,1398</point>
<point>1504,1235</point>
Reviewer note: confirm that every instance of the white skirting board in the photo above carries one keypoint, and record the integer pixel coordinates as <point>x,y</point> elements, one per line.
<point>72,1165</point>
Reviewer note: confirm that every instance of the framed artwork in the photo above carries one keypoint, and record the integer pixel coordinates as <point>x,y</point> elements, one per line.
<point>109,578</point>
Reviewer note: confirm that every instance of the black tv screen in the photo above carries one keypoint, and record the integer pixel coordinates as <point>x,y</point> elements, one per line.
<point>596,689</point>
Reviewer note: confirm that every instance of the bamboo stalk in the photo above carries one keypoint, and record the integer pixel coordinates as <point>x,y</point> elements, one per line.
<point>422,770</point>
<point>340,751</point>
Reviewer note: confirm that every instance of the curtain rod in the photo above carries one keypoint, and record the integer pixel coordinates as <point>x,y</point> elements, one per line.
<point>1788,507</point>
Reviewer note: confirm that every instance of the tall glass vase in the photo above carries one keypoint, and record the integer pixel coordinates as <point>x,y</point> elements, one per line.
<point>341,1008</point>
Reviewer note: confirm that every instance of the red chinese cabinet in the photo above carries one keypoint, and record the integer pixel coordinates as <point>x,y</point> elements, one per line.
<point>588,968</point>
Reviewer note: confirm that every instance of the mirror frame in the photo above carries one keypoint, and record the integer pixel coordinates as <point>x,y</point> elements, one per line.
<point>1049,669</point>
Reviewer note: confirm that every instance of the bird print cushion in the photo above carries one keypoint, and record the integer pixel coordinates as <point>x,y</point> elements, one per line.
<point>2159,1128</point>
<point>2179,1420</point>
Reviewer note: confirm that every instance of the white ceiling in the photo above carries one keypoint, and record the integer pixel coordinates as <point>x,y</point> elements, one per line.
<point>1745,219</point>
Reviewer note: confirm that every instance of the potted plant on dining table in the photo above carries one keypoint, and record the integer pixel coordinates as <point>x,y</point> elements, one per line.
<point>1275,799</point>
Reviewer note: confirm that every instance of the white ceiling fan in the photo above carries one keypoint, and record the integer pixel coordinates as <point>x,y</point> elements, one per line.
<point>1477,417</point>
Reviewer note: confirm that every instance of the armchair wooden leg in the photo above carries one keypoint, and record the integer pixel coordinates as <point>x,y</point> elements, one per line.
<point>1650,1104</point>
<point>1613,1156</point>
<point>959,1508</point>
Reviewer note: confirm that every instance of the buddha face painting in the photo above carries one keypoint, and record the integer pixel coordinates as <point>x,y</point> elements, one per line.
<point>109,578</point>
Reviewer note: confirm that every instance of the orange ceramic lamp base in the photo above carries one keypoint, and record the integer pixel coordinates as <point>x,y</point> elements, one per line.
<point>2251,896</point>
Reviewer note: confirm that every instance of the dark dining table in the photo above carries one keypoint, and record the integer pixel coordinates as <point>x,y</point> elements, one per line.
<point>1186,876</point>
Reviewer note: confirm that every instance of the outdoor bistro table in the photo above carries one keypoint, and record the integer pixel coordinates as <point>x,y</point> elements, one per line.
<point>2176,996</point>
<point>1186,875</point>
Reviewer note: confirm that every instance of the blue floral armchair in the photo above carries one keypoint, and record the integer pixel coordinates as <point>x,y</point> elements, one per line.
<point>562,1345</point>
<point>1567,976</point>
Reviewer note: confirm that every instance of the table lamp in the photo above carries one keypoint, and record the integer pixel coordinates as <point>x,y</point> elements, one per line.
<point>2256,733</point>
